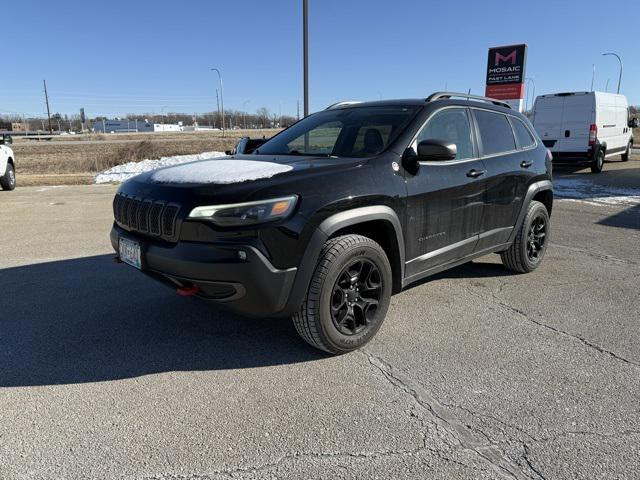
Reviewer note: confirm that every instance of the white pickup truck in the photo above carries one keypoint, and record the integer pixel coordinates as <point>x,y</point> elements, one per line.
<point>7,164</point>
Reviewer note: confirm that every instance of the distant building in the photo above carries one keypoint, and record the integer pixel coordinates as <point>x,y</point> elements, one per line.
<point>19,126</point>
<point>125,126</point>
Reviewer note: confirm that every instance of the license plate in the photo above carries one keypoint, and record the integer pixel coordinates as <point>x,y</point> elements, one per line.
<point>130,253</point>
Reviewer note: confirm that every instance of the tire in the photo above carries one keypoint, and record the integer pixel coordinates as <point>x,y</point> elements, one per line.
<point>334,317</point>
<point>519,256</point>
<point>598,162</point>
<point>626,155</point>
<point>8,181</point>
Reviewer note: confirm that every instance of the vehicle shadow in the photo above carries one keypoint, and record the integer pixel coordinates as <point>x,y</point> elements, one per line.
<point>469,270</point>
<point>91,320</point>
<point>628,218</point>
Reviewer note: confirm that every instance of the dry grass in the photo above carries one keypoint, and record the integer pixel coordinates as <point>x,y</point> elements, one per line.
<point>89,154</point>
<point>26,180</point>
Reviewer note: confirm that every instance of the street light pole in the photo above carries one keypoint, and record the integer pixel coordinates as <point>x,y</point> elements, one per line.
<point>162,113</point>
<point>619,60</point>
<point>221,97</point>
<point>244,113</point>
<point>305,48</point>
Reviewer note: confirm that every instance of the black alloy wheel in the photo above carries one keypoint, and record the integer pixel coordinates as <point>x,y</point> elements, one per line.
<point>536,238</point>
<point>356,296</point>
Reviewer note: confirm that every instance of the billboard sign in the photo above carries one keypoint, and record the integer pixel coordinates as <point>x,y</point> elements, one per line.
<point>506,73</point>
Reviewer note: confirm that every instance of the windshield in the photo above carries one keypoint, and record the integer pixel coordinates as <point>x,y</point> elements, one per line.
<point>348,132</point>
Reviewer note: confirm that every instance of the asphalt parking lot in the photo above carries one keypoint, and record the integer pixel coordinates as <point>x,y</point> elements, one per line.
<point>476,373</point>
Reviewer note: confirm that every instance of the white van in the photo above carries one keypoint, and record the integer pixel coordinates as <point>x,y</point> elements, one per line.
<point>584,127</point>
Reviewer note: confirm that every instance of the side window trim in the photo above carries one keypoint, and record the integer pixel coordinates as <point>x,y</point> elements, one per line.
<point>512,120</point>
<point>513,131</point>
<point>474,145</point>
<point>480,146</point>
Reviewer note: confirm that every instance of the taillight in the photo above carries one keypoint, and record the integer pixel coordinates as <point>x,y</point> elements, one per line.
<point>593,134</point>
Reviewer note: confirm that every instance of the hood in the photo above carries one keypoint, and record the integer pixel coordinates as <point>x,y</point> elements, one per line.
<point>233,177</point>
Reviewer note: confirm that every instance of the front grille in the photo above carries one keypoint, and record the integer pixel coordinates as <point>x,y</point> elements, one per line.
<point>145,216</point>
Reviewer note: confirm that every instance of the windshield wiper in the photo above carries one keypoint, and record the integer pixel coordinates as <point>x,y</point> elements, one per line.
<point>298,153</point>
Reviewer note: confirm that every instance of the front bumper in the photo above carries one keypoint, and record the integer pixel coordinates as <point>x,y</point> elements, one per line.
<point>250,286</point>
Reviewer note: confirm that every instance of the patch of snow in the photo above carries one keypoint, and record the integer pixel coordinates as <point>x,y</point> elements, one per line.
<point>219,171</point>
<point>123,172</point>
<point>588,192</point>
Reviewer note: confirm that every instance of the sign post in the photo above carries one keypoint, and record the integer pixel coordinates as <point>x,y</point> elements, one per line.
<point>506,74</point>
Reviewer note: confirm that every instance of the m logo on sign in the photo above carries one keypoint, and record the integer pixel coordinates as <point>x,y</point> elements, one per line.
<point>506,58</point>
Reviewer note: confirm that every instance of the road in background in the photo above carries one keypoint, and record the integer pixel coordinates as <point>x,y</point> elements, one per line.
<point>476,373</point>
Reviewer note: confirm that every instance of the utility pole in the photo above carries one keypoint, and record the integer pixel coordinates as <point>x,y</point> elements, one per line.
<point>305,48</point>
<point>221,97</point>
<point>218,104</point>
<point>46,99</point>
<point>593,75</point>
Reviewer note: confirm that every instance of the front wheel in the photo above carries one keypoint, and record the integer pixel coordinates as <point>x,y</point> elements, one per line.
<point>348,297</point>
<point>627,154</point>
<point>597,164</point>
<point>528,249</point>
<point>8,181</point>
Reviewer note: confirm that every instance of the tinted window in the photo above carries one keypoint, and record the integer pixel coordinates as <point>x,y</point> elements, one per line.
<point>495,131</point>
<point>321,139</point>
<point>349,132</point>
<point>523,135</point>
<point>451,124</point>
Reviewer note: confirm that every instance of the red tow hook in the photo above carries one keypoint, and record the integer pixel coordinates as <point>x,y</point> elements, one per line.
<point>187,291</point>
<point>117,259</point>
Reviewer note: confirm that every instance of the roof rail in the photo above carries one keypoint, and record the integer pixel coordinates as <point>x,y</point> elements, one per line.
<point>341,104</point>
<point>440,95</point>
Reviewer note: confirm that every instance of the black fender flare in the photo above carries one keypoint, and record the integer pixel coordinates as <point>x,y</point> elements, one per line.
<point>324,231</point>
<point>532,191</point>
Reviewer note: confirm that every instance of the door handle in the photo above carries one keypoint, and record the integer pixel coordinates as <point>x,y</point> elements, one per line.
<point>525,164</point>
<point>473,173</point>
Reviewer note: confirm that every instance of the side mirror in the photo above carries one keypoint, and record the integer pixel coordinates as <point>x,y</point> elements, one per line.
<point>410,161</point>
<point>634,123</point>
<point>436,150</point>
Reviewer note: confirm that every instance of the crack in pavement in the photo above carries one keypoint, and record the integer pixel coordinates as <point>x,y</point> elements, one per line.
<point>601,256</point>
<point>525,455</point>
<point>495,419</point>
<point>445,420</point>
<point>232,472</point>
<point>528,317</point>
<point>624,433</point>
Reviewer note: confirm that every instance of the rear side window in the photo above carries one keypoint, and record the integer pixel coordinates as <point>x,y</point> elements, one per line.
<point>523,135</point>
<point>495,132</point>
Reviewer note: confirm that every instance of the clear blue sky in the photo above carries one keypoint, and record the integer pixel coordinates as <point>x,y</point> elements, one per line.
<point>115,57</point>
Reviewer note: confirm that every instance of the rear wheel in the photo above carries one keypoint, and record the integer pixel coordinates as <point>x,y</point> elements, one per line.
<point>598,162</point>
<point>528,249</point>
<point>627,154</point>
<point>348,297</point>
<point>8,181</point>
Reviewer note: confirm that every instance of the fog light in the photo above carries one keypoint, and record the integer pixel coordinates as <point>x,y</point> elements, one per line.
<point>242,255</point>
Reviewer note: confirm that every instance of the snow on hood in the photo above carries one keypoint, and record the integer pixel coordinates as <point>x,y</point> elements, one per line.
<point>219,171</point>
<point>123,172</point>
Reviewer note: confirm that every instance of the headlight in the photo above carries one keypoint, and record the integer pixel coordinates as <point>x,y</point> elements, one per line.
<point>249,213</point>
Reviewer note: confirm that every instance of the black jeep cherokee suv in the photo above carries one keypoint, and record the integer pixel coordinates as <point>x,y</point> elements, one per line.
<point>329,218</point>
